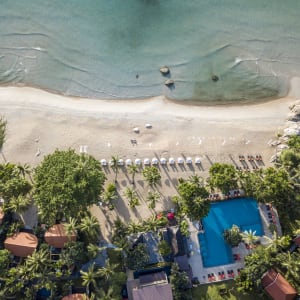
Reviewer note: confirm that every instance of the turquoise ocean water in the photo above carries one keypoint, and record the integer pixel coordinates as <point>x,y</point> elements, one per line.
<point>114,48</point>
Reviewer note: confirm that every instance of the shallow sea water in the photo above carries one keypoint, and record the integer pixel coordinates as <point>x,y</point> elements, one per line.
<point>114,49</point>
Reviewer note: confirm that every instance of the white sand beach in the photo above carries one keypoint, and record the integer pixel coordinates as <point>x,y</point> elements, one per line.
<point>40,122</point>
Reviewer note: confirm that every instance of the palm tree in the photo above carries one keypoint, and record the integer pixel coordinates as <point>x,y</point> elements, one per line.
<point>107,271</point>
<point>152,198</point>
<point>277,243</point>
<point>131,195</point>
<point>89,226</point>
<point>24,170</point>
<point>38,262</point>
<point>152,175</point>
<point>89,278</point>
<point>133,169</point>
<point>115,165</point>
<point>134,227</point>
<point>292,265</point>
<point>18,205</point>
<point>249,237</point>
<point>196,180</point>
<point>108,295</point>
<point>3,124</point>
<point>70,227</point>
<point>153,223</point>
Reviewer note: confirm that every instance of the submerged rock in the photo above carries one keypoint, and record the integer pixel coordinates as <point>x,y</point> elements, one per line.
<point>164,70</point>
<point>169,82</point>
<point>215,78</point>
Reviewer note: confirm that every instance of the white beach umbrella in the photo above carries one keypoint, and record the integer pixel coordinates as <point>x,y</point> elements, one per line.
<point>128,162</point>
<point>103,162</point>
<point>189,160</point>
<point>137,162</point>
<point>146,161</point>
<point>163,161</point>
<point>111,162</point>
<point>197,160</point>
<point>148,125</point>
<point>180,160</point>
<point>171,161</point>
<point>136,129</point>
<point>121,162</point>
<point>154,161</point>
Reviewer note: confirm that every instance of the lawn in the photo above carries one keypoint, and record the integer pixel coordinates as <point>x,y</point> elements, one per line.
<point>214,292</point>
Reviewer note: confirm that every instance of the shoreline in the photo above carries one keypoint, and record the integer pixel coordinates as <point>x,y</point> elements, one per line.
<point>34,114</point>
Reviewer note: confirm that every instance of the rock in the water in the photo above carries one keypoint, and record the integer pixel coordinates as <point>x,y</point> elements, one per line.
<point>169,82</point>
<point>164,70</point>
<point>215,78</point>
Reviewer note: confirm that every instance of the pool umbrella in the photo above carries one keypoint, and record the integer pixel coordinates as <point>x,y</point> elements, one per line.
<point>171,161</point>
<point>137,161</point>
<point>128,162</point>
<point>170,216</point>
<point>197,160</point>
<point>163,161</point>
<point>189,160</point>
<point>154,161</point>
<point>146,161</point>
<point>103,162</point>
<point>120,162</point>
<point>180,160</point>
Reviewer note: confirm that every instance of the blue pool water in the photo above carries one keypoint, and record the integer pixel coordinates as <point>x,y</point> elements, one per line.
<point>241,212</point>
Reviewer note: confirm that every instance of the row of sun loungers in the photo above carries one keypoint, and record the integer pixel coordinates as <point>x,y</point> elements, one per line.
<point>222,276</point>
<point>153,161</point>
<point>271,214</point>
<point>257,157</point>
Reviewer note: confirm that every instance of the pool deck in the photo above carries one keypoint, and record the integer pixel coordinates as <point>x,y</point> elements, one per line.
<point>195,259</point>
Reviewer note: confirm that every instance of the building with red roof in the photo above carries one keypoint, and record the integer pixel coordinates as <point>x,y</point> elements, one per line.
<point>57,237</point>
<point>277,287</point>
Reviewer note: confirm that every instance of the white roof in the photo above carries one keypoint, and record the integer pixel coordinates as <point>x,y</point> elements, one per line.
<point>146,161</point>
<point>137,161</point>
<point>120,162</point>
<point>154,161</point>
<point>128,162</point>
<point>171,161</point>
<point>163,161</point>
<point>180,160</point>
<point>103,162</point>
<point>189,160</point>
<point>197,160</point>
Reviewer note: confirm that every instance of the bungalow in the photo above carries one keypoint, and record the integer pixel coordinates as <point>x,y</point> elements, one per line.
<point>184,266</point>
<point>56,236</point>
<point>151,240</point>
<point>153,286</point>
<point>21,244</point>
<point>277,287</point>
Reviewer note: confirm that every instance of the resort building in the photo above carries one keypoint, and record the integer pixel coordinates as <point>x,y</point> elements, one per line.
<point>277,287</point>
<point>56,236</point>
<point>21,244</point>
<point>153,286</point>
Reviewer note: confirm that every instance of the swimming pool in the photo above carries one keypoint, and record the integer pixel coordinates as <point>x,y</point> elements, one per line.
<point>242,212</point>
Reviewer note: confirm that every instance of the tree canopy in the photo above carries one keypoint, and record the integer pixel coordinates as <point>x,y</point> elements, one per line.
<point>193,198</point>
<point>66,183</point>
<point>223,177</point>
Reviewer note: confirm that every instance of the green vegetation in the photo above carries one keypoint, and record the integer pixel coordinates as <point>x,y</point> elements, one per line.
<point>180,284</point>
<point>152,175</point>
<point>233,236</point>
<point>137,257</point>
<point>66,184</point>
<point>192,200</point>
<point>223,290</point>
